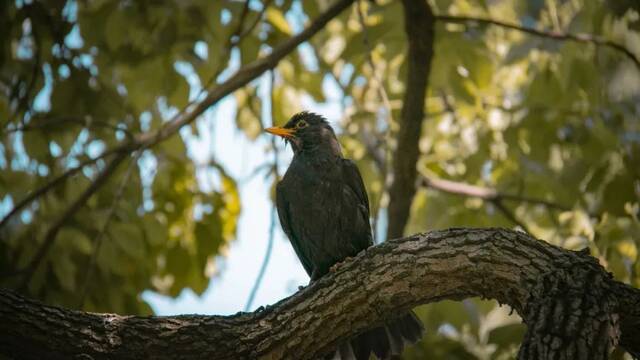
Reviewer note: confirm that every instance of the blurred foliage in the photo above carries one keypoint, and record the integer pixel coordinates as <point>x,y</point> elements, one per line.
<point>529,116</point>
<point>80,77</point>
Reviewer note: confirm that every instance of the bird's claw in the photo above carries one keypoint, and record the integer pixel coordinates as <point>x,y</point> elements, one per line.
<point>335,266</point>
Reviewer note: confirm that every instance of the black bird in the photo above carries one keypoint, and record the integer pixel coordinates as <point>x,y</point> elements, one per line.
<point>324,210</point>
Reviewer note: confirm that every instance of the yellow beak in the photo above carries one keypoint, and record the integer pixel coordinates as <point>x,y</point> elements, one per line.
<point>280,131</point>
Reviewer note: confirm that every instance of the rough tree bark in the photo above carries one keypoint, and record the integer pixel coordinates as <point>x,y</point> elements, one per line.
<point>571,305</point>
<point>419,27</point>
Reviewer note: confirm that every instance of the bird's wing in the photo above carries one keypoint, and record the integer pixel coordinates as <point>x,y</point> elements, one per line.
<point>353,179</point>
<point>282,205</point>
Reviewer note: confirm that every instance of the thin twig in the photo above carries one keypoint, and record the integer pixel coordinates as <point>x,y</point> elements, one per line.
<point>101,232</point>
<point>61,120</point>
<point>51,234</point>
<point>242,33</point>
<point>272,226</point>
<point>581,38</point>
<point>51,184</point>
<point>234,40</point>
<point>24,103</point>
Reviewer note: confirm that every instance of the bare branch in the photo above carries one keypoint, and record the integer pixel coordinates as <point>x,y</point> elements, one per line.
<point>488,194</point>
<point>460,188</point>
<point>581,38</point>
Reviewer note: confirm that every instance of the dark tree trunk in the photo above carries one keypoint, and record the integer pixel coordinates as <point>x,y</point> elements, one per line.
<point>571,305</point>
<point>419,27</point>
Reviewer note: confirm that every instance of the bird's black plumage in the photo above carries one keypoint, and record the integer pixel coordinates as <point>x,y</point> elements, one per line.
<point>323,208</point>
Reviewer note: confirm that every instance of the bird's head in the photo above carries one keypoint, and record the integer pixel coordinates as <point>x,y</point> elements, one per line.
<point>306,131</point>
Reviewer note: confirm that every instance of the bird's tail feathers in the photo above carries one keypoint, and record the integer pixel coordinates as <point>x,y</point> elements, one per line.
<point>384,341</point>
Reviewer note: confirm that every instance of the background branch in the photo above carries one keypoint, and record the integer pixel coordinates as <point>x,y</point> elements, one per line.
<point>581,38</point>
<point>419,27</point>
<point>52,184</point>
<point>490,194</point>
<point>58,121</point>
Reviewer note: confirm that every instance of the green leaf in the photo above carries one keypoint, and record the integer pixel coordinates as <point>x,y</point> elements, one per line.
<point>277,19</point>
<point>129,238</point>
<point>507,335</point>
<point>116,30</point>
<point>155,231</point>
<point>618,192</point>
<point>65,272</point>
<point>208,236</point>
<point>180,95</point>
<point>110,260</point>
<point>249,49</point>
<point>76,239</point>
<point>36,144</point>
<point>480,69</point>
<point>545,89</point>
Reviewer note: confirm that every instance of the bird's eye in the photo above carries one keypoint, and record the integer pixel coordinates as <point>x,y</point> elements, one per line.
<point>301,124</point>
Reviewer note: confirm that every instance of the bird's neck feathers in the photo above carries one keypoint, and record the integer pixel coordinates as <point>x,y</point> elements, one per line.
<point>320,145</point>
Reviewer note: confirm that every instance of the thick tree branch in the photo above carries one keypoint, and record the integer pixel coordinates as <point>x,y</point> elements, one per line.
<point>581,38</point>
<point>572,306</point>
<point>419,27</point>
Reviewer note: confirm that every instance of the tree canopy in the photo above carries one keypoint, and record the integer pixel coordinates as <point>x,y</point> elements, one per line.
<point>530,120</point>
